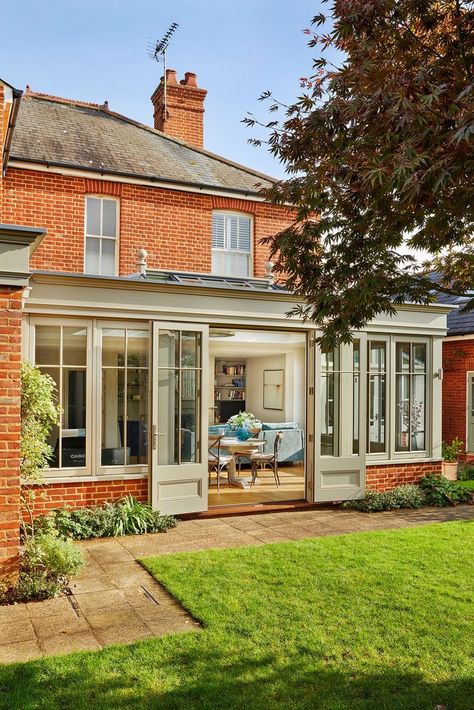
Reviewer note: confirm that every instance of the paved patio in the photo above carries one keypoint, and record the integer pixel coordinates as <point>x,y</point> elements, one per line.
<point>114,600</point>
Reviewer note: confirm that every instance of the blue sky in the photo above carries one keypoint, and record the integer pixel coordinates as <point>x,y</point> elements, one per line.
<point>97,50</point>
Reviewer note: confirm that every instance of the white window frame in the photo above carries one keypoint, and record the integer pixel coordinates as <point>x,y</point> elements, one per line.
<point>115,239</point>
<point>235,251</point>
<point>391,454</point>
<point>99,326</point>
<point>87,324</point>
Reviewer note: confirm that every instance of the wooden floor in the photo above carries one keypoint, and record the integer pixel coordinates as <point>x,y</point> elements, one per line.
<point>291,488</point>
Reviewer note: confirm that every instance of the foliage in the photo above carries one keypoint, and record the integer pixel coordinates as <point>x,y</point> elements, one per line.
<point>450,452</point>
<point>46,563</point>
<point>407,496</point>
<point>39,413</point>
<point>379,156</point>
<point>124,517</point>
<point>242,418</point>
<point>440,491</point>
<point>466,473</point>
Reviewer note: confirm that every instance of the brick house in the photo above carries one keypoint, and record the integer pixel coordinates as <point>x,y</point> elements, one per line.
<point>132,272</point>
<point>458,376</point>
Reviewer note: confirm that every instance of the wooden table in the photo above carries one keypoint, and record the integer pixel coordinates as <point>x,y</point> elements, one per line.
<point>234,445</point>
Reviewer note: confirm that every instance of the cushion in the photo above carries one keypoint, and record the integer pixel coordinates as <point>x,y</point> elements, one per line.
<point>268,426</point>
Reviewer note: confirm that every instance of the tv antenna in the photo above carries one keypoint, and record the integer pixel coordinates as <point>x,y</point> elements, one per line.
<point>157,51</point>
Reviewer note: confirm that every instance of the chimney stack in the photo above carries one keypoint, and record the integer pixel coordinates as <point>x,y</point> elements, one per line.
<point>184,108</point>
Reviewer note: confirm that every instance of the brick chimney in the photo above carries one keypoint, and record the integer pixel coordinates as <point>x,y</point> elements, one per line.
<point>184,108</point>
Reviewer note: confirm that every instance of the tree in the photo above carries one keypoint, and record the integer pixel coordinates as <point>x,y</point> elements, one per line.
<point>379,156</point>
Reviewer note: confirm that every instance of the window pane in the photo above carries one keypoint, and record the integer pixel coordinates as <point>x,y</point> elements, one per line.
<point>418,413</point>
<point>74,345</point>
<point>108,257</point>
<point>376,414</point>
<point>232,233</point>
<point>402,412</point>
<point>109,218</point>
<point>53,439</point>
<point>355,395</point>
<point>377,356</point>
<point>168,417</point>
<point>137,348</point>
<point>329,414</point>
<point>189,415</point>
<point>92,256</point>
<point>190,349</point>
<point>244,233</point>
<point>113,407</point>
<point>419,357</point>
<point>93,216</point>
<point>168,348</point>
<point>403,357</point>
<point>218,231</point>
<point>137,417</point>
<point>73,434</point>
<point>113,347</point>
<point>47,344</point>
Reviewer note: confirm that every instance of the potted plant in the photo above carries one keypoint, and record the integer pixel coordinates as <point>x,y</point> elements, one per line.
<point>244,424</point>
<point>450,453</point>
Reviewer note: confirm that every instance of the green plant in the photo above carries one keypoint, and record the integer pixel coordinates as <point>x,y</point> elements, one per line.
<point>46,563</point>
<point>39,414</point>
<point>124,517</point>
<point>466,473</point>
<point>440,491</point>
<point>407,496</point>
<point>242,418</point>
<point>450,452</point>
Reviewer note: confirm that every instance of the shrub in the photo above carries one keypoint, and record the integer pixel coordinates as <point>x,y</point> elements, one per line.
<point>46,563</point>
<point>466,473</point>
<point>124,517</point>
<point>407,496</point>
<point>450,452</point>
<point>440,491</point>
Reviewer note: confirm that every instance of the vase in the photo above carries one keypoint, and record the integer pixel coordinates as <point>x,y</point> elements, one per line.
<point>243,433</point>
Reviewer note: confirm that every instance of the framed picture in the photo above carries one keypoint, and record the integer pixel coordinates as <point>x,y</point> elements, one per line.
<point>273,389</point>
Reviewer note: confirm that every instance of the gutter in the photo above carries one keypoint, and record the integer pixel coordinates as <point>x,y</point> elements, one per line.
<point>156,181</point>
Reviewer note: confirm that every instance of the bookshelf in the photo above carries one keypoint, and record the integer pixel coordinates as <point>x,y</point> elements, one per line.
<point>229,388</point>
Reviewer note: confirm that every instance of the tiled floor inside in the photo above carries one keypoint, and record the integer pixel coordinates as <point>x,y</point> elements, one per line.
<point>114,600</point>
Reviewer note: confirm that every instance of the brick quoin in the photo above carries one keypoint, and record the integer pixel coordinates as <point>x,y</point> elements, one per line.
<point>381,477</point>
<point>175,227</point>
<point>458,359</point>
<point>10,392</point>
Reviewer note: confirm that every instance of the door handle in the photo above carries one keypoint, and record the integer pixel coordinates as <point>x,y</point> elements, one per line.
<point>155,436</point>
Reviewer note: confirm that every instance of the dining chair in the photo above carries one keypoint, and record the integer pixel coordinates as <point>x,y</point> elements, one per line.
<point>217,462</point>
<point>260,461</point>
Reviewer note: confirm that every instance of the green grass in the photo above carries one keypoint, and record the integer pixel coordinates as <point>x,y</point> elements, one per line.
<point>378,620</point>
<point>467,484</point>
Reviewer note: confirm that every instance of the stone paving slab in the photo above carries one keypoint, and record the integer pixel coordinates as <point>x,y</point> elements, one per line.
<point>114,600</point>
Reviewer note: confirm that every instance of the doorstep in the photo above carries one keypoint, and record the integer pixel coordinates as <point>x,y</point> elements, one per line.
<point>223,511</point>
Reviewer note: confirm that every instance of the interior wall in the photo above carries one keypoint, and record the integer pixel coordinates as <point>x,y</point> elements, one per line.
<point>293,403</point>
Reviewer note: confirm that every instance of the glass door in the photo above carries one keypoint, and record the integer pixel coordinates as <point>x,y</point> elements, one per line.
<point>179,417</point>
<point>340,416</point>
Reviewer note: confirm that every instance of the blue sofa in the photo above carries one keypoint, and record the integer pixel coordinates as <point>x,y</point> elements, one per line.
<point>292,445</point>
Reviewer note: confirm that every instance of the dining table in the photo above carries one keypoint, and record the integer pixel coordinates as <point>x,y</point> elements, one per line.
<point>234,446</point>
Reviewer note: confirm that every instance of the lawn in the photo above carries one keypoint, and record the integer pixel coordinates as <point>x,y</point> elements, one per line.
<point>467,484</point>
<point>380,620</point>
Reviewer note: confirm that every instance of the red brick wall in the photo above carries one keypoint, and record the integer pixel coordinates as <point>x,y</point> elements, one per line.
<point>174,227</point>
<point>10,384</point>
<point>382,477</point>
<point>458,358</point>
<point>80,495</point>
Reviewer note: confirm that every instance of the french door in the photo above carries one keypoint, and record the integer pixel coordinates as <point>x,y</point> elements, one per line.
<point>470,412</point>
<point>179,417</point>
<point>340,422</point>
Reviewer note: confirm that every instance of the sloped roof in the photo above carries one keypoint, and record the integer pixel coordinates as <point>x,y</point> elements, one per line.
<point>90,137</point>
<point>458,323</point>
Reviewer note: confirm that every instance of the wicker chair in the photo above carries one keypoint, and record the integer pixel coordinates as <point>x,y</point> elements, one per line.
<point>217,462</point>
